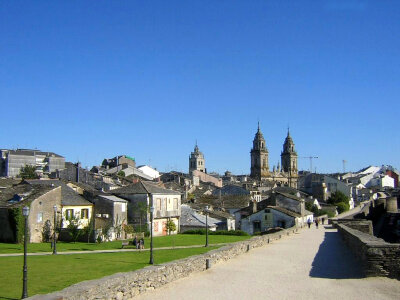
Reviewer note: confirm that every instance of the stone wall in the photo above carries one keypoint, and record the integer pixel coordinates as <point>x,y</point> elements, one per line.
<point>130,284</point>
<point>358,224</point>
<point>377,257</point>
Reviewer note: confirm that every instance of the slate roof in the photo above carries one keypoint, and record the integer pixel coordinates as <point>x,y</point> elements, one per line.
<point>231,190</point>
<point>189,217</point>
<point>144,187</point>
<point>68,196</point>
<point>290,196</point>
<point>112,198</point>
<point>22,194</point>
<point>285,211</point>
<point>8,182</point>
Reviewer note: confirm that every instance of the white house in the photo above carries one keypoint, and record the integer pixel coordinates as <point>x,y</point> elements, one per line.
<point>149,171</point>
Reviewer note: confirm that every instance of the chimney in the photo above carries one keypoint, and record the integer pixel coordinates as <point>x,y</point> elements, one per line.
<point>254,206</point>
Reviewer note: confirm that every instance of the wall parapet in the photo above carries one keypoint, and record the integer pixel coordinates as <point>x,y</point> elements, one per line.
<point>130,284</point>
<point>378,257</point>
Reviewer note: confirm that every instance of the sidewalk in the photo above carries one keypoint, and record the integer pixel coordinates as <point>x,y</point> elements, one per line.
<point>107,251</point>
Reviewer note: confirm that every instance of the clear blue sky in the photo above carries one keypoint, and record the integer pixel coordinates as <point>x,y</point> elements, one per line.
<point>92,79</point>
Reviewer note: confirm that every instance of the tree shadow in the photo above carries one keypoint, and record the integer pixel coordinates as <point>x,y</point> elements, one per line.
<point>7,298</point>
<point>334,260</point>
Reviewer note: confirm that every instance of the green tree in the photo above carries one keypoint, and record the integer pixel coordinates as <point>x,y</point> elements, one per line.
<point>142,210</point>
<point>342,207</point>
<point>338,197</point>
<point>28,172</point>
<point>73,227</point>
<point>46,231</point>
<point>88,229</point>
<point>340,200</point>
<point>171,226</point>
<point>121,174</point>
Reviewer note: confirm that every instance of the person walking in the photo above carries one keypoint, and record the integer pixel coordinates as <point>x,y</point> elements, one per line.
<point>142,243</point>
<point>135,242</point>
<point>316,222</point>
<point>309,223</point>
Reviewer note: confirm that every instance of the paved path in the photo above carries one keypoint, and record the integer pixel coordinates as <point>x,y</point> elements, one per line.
<point>105,250</point>
<point>312,264</point>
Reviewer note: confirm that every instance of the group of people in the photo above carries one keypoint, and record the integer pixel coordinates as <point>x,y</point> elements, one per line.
<point>139,244</point>
<point>316,221</point>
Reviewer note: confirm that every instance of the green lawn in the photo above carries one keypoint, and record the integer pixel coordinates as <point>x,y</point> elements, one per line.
<point>162,241</point>
<point>54,272</point>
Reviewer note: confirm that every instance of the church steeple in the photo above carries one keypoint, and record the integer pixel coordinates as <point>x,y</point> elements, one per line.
<point>289,159</point>
<point>196,160</point>
<point>259,156</point>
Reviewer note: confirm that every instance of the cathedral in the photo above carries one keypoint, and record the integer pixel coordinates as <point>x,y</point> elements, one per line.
<point>285,175</point>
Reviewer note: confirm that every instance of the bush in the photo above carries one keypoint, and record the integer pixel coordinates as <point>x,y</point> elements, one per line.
<point>218,232</point>
<point>342,207</point>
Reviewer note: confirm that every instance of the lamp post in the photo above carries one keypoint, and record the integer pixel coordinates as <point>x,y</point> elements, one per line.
<point>54,233</point>
<point>151,235</point>
<point>25,213</point>
<point>206,210</point>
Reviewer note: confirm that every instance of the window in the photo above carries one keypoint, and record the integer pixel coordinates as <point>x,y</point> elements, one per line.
<point>40,217</point>
<point>158,204</point>
<point>123,208</point>
<point>175,203</point>
<point>155,226</point>
<point>84,213</point>
<point>166,207</point>
<point>69,213</point>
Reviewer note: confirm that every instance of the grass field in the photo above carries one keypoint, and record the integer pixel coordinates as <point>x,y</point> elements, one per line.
<point>54,272</point>
<point>162,241</point>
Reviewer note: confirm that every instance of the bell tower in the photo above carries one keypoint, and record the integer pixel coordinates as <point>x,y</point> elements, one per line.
<point>259,157</point>
<point>289,160</point>
<point>196,160</point>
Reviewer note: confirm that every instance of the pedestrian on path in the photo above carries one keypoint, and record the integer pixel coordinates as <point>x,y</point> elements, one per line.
<point>309,223</point>
<point>316,222</point>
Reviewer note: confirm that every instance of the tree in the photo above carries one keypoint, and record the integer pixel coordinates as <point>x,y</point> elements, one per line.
<point>28,172</point>
<point>73,227</point>
<point>338,197</point>
<point>87,230</point>
<point>142,209</point>
<point>121,174</point>
<point>340,200</point>
<point>46,231</point>
<point>118,226</point>
<point>171,226</point>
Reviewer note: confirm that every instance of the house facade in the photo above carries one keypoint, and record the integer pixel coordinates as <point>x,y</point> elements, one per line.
<point>143,195</point>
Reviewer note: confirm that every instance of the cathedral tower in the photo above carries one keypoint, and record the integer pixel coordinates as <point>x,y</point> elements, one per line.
<point>196,161</point>
<point>289,160</point>
<point>259,157</point>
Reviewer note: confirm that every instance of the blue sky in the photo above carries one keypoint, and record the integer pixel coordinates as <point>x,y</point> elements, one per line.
<point>92,79</point>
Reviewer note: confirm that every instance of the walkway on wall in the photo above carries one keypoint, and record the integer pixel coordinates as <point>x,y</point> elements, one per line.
<point>312,264</point>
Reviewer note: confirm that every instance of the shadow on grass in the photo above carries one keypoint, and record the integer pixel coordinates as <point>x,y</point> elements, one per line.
<point>334,260</point>
<point>6,298</point>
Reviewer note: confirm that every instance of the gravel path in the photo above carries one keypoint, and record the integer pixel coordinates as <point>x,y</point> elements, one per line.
<point>312,264</point>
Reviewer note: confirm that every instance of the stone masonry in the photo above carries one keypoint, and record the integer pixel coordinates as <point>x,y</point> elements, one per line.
<point>378,257</point>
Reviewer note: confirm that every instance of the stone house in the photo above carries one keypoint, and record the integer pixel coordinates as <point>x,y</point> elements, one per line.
<point>72,204</point>
<point>143,195</point>
<point>40,198</point>
<point>110,209</point>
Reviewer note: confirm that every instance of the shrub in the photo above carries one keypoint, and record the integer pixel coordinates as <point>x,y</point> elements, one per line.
<point>342,207</point>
